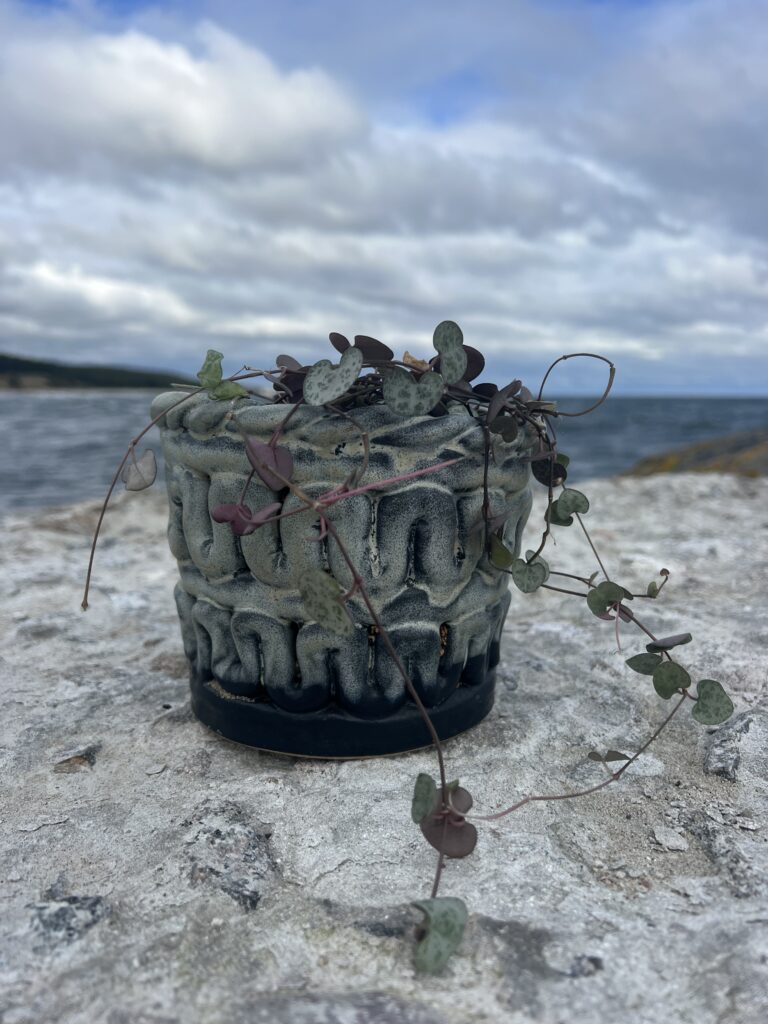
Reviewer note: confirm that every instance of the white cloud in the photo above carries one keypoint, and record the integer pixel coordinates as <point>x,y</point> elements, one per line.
<point>158,195</point>
<point>73,97</point>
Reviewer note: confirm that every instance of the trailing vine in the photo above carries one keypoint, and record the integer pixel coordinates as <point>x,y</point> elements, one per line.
<point>366,373</point>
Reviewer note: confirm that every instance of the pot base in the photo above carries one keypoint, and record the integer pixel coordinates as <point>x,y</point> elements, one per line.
<point>332,732</point>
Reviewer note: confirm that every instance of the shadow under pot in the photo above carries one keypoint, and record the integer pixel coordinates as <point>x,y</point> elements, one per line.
<point>262,672</point>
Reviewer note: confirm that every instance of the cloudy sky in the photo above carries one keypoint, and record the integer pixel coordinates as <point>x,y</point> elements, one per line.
<point>555,175</point>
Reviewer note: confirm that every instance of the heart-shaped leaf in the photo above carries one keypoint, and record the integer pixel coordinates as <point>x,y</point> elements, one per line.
<point>339,342</point>
<point>571,501</point>
<point>288,363</point>
<point>141,472</point>
<point>668,678</point>
<point>668,642</point>
<point>449,342</point>
<point>407,397</point>
<point>645,664</point>
<point>374,351</point>
<point>548,472</point>
<point>320,594</point>
<point>653,589</point>
<point>475,363</point>
<point>601,597</point>
<point>461,799</point>
<point>529,576</point>
<point>554,519</point>
<point>564,460</point>
<point>499,398</point>
<point>458,837</point>
<point>264,457</point>
<point>443,930</point>
<point>506,426</point>
<point>713,705</point>
<point>325,382</point>
<point>486,389</point>
<point>238,516</point>
<point>424,797</point>
<point>499,553</point>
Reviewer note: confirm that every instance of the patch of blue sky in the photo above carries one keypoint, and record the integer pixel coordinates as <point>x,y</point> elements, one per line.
<point>453,97</point>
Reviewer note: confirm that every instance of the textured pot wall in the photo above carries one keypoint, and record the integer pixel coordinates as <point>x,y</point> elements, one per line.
<point>417,547</point>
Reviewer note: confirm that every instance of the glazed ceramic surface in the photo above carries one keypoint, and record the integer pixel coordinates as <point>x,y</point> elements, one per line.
<point>259,666</point>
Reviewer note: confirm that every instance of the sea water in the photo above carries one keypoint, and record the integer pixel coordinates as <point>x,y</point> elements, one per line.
<point>60,447</point>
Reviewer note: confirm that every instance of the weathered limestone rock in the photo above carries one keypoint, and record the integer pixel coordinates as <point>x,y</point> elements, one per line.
<point>166,875</point>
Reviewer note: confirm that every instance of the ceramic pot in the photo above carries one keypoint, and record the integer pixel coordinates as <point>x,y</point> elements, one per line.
<point>261,672</point>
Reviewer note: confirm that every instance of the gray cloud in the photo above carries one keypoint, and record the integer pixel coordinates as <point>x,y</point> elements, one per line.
<point>165,192</point>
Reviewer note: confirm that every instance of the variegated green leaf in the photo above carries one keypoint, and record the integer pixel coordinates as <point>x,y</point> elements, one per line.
<point>406,396</point>
<point>529,576</point>
<point>446,918</point>
<point>713,705</point>
<point>424,797</point>
<point>325,382</point>
<point>571,501</point>
<point>449,342</point>
<point>669,677</point>
<point>320,594</point>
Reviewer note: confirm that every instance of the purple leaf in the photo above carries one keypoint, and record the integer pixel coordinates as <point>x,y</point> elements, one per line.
<point>238,516</point>
<point>373,349</point>
<point>288,363</point>
<point>459,837</point>
<point>475,363</point>
<point>293,382</point>
<point>668,642</point>
<point>264,457</point>
<point>498,401</point>
<point>457,840</point>
<point>339,342</point>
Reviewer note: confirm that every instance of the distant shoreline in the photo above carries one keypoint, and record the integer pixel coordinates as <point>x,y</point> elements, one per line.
<point>18,374</point>
<point>745,454</point>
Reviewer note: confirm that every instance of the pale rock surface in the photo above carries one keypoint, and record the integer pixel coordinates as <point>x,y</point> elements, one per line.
<point>153,873</point>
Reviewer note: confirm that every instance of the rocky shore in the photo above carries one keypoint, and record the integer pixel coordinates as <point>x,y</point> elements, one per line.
<point>745,454</point>
<point>152,873</point>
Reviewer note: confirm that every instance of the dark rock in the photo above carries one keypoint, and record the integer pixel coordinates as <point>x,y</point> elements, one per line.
<point>230,851</point>
<point>723,756</point>
<point>585,966</point>
<point>64,919</point>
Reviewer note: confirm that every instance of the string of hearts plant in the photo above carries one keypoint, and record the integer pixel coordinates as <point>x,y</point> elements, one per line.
<point>367,372</point>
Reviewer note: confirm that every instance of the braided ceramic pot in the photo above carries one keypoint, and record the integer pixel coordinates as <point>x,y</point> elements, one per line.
<point>261,672</point>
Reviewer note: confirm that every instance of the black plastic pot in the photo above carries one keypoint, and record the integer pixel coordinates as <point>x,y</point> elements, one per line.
<point>265,675</point>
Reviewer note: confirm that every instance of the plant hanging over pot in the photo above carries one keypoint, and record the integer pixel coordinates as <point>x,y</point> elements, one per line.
<point>344,548</point>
